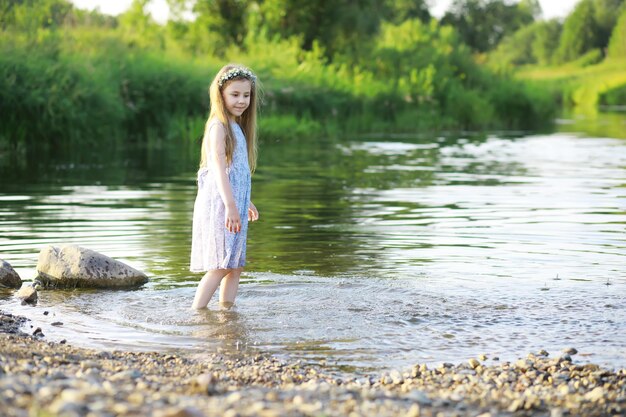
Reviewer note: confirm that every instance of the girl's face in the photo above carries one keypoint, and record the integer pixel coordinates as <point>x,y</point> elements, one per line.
<point>237,96</point>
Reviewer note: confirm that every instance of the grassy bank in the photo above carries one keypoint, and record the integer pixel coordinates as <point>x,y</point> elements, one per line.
<point>92,85</point>
<point>582,87</point>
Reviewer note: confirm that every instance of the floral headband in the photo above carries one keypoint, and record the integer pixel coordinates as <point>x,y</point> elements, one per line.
<point>237,72</point>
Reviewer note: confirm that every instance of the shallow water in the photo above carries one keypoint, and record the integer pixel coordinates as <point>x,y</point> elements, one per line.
<point>376,252</point>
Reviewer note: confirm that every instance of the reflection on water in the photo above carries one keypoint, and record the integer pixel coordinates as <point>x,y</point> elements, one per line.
<point>376,252</point>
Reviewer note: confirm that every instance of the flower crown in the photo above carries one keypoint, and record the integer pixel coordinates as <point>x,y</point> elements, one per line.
<point>237,72</point>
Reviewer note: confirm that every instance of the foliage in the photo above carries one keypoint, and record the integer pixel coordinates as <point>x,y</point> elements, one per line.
<point>578,86</point>
<point>482,24</point>
<point>336,26</point>
<point>217,25</point>
<point>82,79</point>
<point>139,28</point>
<point>606,13</point>
<point>617,45</point>
<point>592,57</point>
<point>614,97</point>
<point>46,98</point>
<point>580,32</point>
<point>546,41</point>
<point>515,49</point>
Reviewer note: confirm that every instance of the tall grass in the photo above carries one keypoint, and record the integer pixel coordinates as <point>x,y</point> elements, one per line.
<point>579,86</point>
<point>98,86</point>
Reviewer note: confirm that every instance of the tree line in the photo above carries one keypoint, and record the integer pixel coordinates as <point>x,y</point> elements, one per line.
<point>356,65</point>
<point>593,31</point>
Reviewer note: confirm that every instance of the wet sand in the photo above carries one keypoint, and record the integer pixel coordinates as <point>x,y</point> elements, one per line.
<point>40,378</point>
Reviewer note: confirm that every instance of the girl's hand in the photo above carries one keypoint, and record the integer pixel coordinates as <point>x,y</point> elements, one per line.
<point>253,213</point>
<point>233,221</point>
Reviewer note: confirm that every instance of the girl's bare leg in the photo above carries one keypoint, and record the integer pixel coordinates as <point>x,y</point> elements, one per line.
<point>230,284</point>
<point>207,286</point>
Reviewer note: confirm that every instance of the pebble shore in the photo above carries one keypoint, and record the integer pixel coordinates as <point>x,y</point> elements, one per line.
<point>44,379</point>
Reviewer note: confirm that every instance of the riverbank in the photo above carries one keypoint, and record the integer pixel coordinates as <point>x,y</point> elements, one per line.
<point>40,378</point>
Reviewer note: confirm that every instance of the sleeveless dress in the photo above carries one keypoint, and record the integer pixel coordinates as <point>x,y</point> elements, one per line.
<point>212,245</point>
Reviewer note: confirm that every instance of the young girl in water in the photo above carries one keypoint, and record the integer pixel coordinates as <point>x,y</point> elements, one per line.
<point>223,208</point>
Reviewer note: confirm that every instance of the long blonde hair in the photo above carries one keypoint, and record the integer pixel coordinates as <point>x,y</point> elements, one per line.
<point>247,121</point>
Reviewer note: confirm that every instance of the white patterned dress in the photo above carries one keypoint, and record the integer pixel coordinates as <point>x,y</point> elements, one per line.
<point>212,245</point>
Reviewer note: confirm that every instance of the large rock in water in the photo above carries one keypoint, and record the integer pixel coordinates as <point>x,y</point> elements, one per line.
<point>73,266</point>
<point>8,277</point>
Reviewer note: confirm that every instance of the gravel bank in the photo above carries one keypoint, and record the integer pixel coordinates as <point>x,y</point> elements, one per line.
<point>39,378</point>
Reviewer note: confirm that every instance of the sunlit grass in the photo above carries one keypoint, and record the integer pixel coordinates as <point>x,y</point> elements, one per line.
<point>580,86</point>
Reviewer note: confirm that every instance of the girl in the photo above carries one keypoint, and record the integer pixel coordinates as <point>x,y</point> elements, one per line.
<point>223,208</point>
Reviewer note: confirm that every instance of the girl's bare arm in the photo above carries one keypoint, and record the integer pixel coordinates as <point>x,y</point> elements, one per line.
<point>217,152</point>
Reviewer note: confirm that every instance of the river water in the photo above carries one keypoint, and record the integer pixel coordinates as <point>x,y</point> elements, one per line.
<point>371,252</point>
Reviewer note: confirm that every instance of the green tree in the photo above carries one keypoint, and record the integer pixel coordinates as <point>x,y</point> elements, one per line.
<point>532,44</point>
<point>30,15</point>
<point>580,32</point>
<point>482,24</point>
<point>218,24</point>
<point>617,44</point>
<point>402,10</point>
<point>546,41</point>
<point>337,25</point>
<point>606,13</point>
<point>515,49</point>
<point>139,27</point>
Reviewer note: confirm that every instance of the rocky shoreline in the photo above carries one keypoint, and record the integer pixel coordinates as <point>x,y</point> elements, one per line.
<point>40,378</point>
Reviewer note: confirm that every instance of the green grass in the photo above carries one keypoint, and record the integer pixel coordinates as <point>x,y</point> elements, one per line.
<point>580,86</point>
<point>97,86</point>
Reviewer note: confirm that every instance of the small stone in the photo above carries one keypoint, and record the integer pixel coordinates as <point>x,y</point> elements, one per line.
<point>556,412</point>
<point>414,411</point>
<point>203,384</point>
<point>515,405</point>
<point>128,374</point>
<point>570,351</point>
<point>38,332</point>
<point>121,408</point>
<point>27,294</point>
<point>57,323</point>
<point>564,389</point>
<point>596,394</point>
<point>474,363</point>
<point>73,396</point>
<point>543,352</point>
<point>524,364</point>
<point>89,364</point>
<point>63,341</point>
<point>396,377</point>
<point>67,408</point>
<point>181,412</point>
<point>234,398</point>
<point>482,357</point>
<point>419,397</point>
<point>45,313</point>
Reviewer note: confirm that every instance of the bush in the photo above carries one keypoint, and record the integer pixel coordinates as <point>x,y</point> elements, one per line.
<point>617,44</point>
<point>46,98</point>
<point>614,97</point>
<point>590,58</point>
<point>579,34</point>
